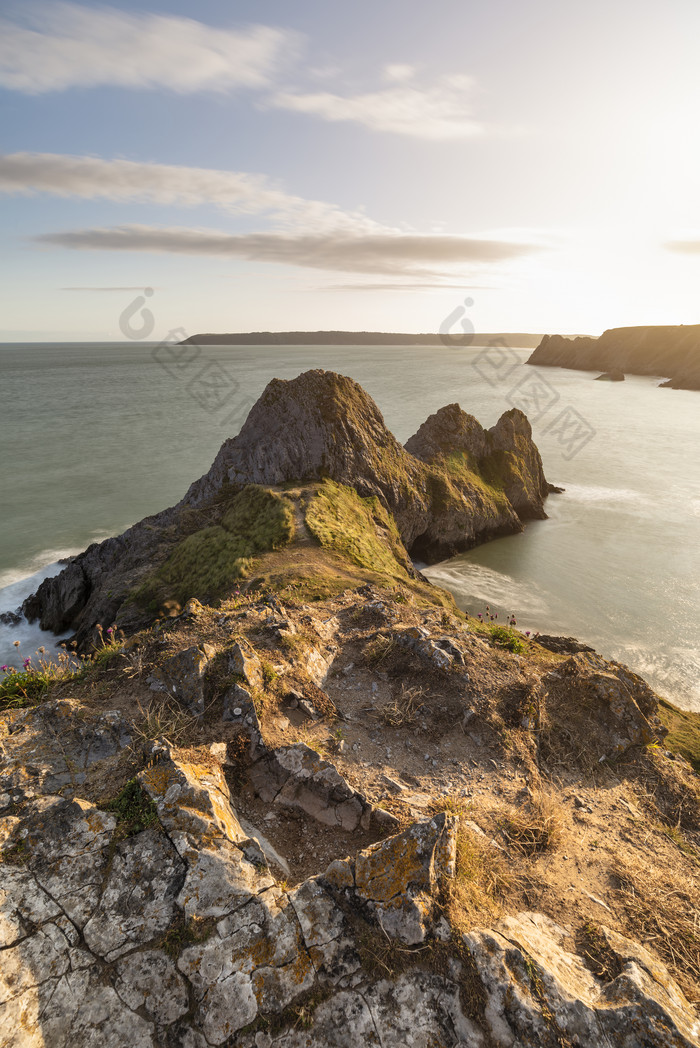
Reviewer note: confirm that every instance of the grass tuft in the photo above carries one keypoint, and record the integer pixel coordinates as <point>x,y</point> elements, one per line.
<point>536,827</point>
<point>134,809</point>
<point>403,710</point>
<point>482,878</point>
<point>663,910</point>
<point>683,732</point>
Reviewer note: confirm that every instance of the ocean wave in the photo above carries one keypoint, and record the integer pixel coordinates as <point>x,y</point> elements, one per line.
<point>474,582</point>
<point>599,493</point>
<point>48,558</point>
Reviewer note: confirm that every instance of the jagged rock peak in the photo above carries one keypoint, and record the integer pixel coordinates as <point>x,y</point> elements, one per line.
<point>319,423</point>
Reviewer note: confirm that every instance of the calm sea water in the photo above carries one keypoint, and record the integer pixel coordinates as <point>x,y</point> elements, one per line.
<point>95,436</point>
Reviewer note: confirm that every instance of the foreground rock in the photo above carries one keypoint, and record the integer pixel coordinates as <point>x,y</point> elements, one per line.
<point>669,351</point>
<point>453,486</point>
<point>177,935</point>
<point>155,921</point>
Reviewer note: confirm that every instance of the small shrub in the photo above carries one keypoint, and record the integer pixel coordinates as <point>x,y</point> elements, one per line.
<point>134,809</point>
<point>505,637</point>
<point>269,672</point>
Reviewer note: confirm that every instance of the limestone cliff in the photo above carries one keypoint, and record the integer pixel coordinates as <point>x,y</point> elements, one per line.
<point>453,486</point>
<point>670,351</point>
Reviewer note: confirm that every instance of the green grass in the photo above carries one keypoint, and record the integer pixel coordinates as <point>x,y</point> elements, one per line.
<point>208,563</point>
<point>22,688</point>
<point>134,809</point>
<point>28,686</point>
<point>683,732</point>
<point>357,528</point>
<point>503,637</point>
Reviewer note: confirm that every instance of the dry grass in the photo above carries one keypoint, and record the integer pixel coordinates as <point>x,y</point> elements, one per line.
<point>538,826</point>
<point>377,649</point>
<point>403,710</point>
<point>663,912</point>
<point>597,955</point>
<point>167,719</point>
<point>482,879</point>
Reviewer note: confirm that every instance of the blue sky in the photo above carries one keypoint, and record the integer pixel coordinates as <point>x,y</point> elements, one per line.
<point>365,166</point>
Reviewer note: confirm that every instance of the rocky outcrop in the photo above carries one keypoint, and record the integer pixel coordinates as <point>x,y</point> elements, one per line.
<point>539,992</point>
<point>453,486</point>
<point>448,489</point>
<point>173,932</point>
<point>670,351</point>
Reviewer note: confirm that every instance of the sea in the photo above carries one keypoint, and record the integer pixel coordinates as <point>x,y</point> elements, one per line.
<point>95,436</point>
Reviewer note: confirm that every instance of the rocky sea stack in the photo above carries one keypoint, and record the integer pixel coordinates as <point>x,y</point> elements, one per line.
<point>670,351</point>
<point>453,485</point>
<point>296,798</point>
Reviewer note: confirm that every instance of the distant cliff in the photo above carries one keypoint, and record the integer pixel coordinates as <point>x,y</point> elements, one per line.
<point>351,338</point>
<point>673,352</point>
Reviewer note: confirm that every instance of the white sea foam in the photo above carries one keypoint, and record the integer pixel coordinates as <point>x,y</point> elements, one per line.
<point>600,493</point>
<point>474,583</point>
<point>29,635</point>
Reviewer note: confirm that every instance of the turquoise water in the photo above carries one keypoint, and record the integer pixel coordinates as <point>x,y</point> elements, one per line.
<point>94,437</point>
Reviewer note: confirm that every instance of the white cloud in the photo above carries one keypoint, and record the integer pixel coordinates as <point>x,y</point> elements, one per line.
<point>386,253</point>
<point>441,112</point>
<point>684,247</point>
<point>397,73</point>
<point>61,45</point>
<point>127,180</point>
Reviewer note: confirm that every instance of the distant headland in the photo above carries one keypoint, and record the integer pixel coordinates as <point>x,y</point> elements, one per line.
<point>671,351</point>
<point>357,338</point>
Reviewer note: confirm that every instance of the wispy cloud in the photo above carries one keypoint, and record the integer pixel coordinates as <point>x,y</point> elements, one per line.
<point>127,180</point>
<point>385,253</point>
<point>56,46</point>
<point>430,286</point>
<point>684,247</point>
<point>438,112</point>
<point>138,287</point>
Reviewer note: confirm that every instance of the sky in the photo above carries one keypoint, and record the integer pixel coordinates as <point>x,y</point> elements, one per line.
<point>368,166</point>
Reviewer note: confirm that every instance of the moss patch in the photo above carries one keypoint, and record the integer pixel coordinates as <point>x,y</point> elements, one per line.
<point>357,528</point>
<point>134,809</point>
<point>683,732</point>
<point>208,563</point>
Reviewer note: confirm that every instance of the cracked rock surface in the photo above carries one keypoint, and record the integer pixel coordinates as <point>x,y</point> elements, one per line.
<point>178,935</point>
